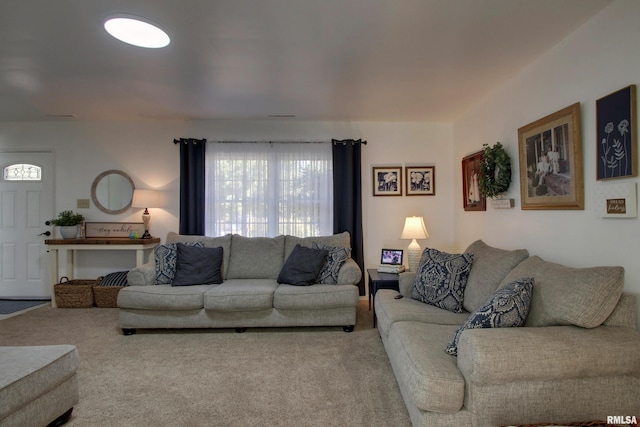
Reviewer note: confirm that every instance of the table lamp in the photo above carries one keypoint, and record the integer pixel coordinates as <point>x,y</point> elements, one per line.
<point>145,199</point>
<point>414,228</point>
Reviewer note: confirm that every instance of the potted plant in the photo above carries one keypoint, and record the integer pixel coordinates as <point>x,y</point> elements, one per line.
<point>68,222</point>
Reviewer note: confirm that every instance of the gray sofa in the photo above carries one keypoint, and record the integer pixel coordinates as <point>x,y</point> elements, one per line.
<point>577,358</point>
<point>38,385</point>
<point>249,296</point>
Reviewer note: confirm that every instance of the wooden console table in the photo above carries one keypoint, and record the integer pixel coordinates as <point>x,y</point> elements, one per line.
<point>140,246</point>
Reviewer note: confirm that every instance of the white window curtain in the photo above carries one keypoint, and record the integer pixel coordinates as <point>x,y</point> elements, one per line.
<point>266,189</point>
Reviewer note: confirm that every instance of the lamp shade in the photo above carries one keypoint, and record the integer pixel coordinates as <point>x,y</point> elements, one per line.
<point>414,228</point>
<point>145,199</point>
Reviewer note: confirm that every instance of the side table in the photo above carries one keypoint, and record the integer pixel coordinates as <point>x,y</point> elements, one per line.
<point>377,281</point>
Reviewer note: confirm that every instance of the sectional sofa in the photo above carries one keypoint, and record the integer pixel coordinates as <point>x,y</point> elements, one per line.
<point>577,358</point>
<point>250,290</point>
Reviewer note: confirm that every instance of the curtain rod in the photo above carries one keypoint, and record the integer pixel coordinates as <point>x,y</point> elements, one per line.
<point>187,140</point>
<point>333,141</point>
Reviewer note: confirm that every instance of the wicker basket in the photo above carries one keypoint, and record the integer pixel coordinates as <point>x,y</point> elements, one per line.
<point>74,293</point>
<point>106,296</point>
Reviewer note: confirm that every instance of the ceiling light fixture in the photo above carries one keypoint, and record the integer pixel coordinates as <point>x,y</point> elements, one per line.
<point>136,32</point>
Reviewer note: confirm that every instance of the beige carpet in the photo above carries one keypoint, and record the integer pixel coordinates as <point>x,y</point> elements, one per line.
<point>263,377</point>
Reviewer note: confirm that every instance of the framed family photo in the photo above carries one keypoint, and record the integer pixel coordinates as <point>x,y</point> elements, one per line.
<point>387,181</point>
<point>616,135</point>
<point>550,156</point>
<point>473,200</point>
<point>421,180</point>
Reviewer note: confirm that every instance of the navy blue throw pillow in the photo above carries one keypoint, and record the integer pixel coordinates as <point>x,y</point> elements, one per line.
<point>302,266</point>
<point>198,266</point>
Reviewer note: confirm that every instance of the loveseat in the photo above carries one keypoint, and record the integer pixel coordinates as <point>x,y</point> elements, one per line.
<point>576,358</point>
<point>253,287</point>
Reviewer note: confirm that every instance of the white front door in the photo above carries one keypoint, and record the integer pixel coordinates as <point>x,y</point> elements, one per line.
<point>25,205</point>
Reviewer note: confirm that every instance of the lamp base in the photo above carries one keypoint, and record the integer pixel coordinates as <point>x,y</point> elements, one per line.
<point>415,253</point>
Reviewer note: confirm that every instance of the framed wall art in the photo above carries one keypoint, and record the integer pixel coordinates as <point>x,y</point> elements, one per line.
<point>112,229</point>
<point>387,181</point>
<point>616,135</point>
<point>473,200</point>
<point>550,156</point>
<point>421,180</point>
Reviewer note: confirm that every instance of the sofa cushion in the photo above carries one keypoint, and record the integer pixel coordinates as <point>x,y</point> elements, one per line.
<point>256,257</point>
<point>163,297</point>
<point>506,308</point>
<point>166,257</point>
<point>315,297</point>
<point>209,242</point>
<point>426,374</point>
<point>302,266</point>
<point>490,266</point>
<point>241,295</point>
<point>336,258</point>
<point>197,266</point>
<point>441,279</point>
<point>569,296</point>
<point>340,240</point>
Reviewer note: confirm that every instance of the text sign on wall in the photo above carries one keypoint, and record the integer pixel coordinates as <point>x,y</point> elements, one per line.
<point>616,206</point>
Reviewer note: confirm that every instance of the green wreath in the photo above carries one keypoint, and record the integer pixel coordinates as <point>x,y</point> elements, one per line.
<point>496,171</point>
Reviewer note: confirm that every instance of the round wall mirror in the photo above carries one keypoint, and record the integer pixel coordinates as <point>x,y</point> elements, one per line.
<point>112,191</point>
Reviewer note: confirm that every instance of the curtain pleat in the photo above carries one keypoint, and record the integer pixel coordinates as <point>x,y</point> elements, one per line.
<point>192,186</point>
<point>347,197</point>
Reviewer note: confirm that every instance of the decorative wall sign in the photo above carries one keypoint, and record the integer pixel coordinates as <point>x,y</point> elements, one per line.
<point>473,199</point>
<point>113,229</point>
<point>616,200</point>
<point>616,134</point>
<point>387,181</point>
<point>421,180</point>
<point>550,152</point>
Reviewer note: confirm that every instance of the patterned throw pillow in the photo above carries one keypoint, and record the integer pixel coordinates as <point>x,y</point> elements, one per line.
<point>166,257</point>
<point>335,259</point>
<point>441,279</point>
<point>508,307</point>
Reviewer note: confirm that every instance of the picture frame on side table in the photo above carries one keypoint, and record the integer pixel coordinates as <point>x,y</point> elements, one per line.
<point>616,145</point>
<point>550,157</point>
<point>420,180</point>
<point>387,180</point>
<point>473,200</point>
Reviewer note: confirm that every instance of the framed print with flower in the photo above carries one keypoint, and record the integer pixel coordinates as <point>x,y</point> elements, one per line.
<point>387,181</point>
<point>473,200</point>
<point>421,180</point>
<point>550,154</point>
<point>616,134</point>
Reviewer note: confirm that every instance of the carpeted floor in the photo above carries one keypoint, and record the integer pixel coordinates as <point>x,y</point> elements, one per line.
<point>263,377</point>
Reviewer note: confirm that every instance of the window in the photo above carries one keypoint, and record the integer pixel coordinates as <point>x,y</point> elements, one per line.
<point>267,189</point>
<point>22,172</point>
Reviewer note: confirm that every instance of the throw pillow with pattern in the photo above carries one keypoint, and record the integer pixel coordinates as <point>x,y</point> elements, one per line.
<point>508,307</point>
<point>335,259</point>
<point>441,279</point>
<point>166,257</point>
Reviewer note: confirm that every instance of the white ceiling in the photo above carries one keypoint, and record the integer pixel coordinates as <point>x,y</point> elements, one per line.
<point>343,60</point>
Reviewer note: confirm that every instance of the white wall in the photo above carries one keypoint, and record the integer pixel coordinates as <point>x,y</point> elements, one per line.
<point>146,152</point>
<point>599,58</point>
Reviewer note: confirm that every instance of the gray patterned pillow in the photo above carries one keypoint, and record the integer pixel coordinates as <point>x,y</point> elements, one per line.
<point>335,259</point>
<point>441,279</point>
<point>166,256</point>
<point>507,308</point>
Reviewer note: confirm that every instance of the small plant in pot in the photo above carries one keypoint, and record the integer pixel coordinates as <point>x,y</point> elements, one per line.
<point>68,222</point>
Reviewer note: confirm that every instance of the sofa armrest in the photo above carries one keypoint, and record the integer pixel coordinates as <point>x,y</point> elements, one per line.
<point>504,355</point>
<point>405,282</point>
<point>145,275</point>
<point>350,273</point>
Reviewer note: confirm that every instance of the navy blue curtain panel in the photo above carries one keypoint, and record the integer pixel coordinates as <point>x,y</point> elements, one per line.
<point>347,196</point>
<point>192,183</point>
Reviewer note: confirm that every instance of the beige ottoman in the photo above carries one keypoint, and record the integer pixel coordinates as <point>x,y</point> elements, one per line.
<point>38,385</point>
